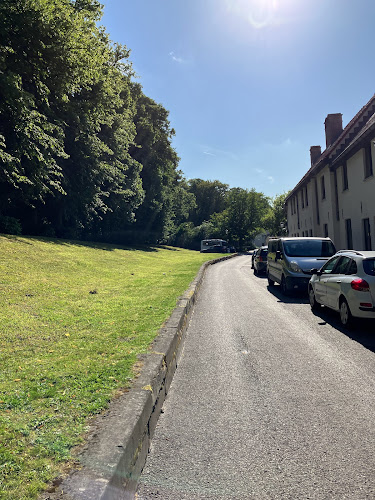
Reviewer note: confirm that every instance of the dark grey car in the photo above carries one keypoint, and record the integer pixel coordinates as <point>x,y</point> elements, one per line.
<point>260,261</point>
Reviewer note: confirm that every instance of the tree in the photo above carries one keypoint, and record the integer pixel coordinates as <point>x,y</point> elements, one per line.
<point>210,198</point>
<point>276,219</point>
<point>243,217</point>
<point>65,118</point>
<point>167,200</point>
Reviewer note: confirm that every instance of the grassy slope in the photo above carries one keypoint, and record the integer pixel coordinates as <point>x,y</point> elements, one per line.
<point>73,319</point>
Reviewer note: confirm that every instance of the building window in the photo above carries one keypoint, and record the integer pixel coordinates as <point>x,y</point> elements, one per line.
<point>323,187</point>
<point>302,199</point>
<point>326,230</point>
<point>336,196</point>
<point>367,234</point>
<point>310,232</point>
<point>306,198</point>
<point>317,201</point>
<point>368,161</point>
<point>345,184</point>
<point>348,231</point>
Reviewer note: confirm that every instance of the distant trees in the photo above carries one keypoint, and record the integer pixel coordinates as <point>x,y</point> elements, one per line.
<point>85,154</point>
<point>210,197</point>
<point>243,216</point>
<point>276,220</point>
<point>235,214</point>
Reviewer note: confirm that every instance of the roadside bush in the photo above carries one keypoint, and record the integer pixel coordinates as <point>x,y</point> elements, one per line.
<point>10,225</point>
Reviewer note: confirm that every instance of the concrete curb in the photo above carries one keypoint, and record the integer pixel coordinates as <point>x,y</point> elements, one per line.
<point>115,454</point>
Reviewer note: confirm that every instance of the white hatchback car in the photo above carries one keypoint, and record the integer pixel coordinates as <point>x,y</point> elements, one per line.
<point>346,283</point>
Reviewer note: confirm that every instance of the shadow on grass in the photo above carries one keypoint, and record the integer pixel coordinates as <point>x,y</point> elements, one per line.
<point>110,247</point>
<point>15,238</point>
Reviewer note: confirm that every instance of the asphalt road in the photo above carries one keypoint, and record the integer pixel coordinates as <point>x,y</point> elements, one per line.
<point>269,401</point>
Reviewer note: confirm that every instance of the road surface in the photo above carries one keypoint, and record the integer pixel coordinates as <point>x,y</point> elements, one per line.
<point>269,401</point>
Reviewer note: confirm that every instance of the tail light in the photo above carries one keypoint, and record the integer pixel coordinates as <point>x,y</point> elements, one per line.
<point>360,285</point>
<point>260,258</point>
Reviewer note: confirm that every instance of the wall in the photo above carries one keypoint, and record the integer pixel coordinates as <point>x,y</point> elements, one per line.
<point>358,201</point>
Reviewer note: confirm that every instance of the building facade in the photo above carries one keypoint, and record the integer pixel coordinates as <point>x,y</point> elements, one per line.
<point>336,197</point>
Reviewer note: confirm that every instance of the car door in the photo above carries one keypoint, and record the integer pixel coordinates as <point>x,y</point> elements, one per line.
<point>335,280</point>
<point>272,247</point>
<point>320,285</point>
<point>278,263</point>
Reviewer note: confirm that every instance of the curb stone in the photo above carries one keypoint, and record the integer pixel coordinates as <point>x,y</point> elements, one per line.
<point>113,458</point>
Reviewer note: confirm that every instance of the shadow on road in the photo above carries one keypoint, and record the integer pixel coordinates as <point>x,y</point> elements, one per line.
<point>292,298</point>
<point>363,331</point>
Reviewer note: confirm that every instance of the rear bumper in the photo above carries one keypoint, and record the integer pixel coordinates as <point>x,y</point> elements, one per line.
<point>262,267</point>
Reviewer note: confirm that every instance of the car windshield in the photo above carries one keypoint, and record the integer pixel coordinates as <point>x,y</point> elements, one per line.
<point>309,248</point>
<point>369,266</point>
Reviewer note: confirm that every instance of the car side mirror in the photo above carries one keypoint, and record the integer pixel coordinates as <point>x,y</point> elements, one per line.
<point>315,271</point>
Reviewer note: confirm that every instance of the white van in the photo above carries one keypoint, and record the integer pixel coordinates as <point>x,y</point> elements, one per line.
<point>290,260</point>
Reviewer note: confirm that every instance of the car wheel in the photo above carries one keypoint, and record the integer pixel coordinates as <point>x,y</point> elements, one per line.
<point>284,289</point>
<point>313,303</point>
<point>255,271</point>
<point>270,282</point>
<point>345,314</point>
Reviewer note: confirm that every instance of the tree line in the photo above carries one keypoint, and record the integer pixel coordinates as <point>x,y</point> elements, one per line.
<point>85,154</point>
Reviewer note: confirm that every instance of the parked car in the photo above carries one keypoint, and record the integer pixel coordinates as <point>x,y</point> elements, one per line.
<point>346,283</point>
<point>290,260</point>
<point>260,261</point>
<point>253,257</point>
<point>214,246</point>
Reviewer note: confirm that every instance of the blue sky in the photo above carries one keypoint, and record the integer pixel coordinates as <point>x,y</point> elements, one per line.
<point>248,83</point>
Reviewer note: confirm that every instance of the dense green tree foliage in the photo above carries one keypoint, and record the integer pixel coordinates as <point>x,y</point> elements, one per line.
<point>276,220</point>
<point>84,153</point>
<point>66,120</point>
<point>243,217</point>
<point>210,198</point>
<point>167,201</point>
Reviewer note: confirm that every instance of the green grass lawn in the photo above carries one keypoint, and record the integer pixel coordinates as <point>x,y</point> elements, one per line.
<point>74,316</point>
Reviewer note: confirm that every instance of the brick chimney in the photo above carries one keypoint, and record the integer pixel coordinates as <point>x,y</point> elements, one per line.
<point>333,126</point>
<point>315,152</point>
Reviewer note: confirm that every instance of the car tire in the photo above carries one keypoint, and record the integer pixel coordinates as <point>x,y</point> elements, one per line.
<point>313,303</point>
<point>345,314</point>
<point>270,281</point>
<point>255,272</point>
<point>284,288</point>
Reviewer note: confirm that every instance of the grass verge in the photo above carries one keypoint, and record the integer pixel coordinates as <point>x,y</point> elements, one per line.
<point>74,317</point>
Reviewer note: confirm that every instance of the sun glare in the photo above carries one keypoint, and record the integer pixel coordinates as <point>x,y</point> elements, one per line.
<point>259,13</point>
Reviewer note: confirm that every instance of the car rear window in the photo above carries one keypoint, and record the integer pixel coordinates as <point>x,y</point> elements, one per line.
<point>369,266</point>
<point>263,253</point>
<point>309,248</point>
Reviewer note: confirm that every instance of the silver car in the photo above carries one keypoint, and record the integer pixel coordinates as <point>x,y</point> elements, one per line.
<point>290,260</point>
<point>346,283</point>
